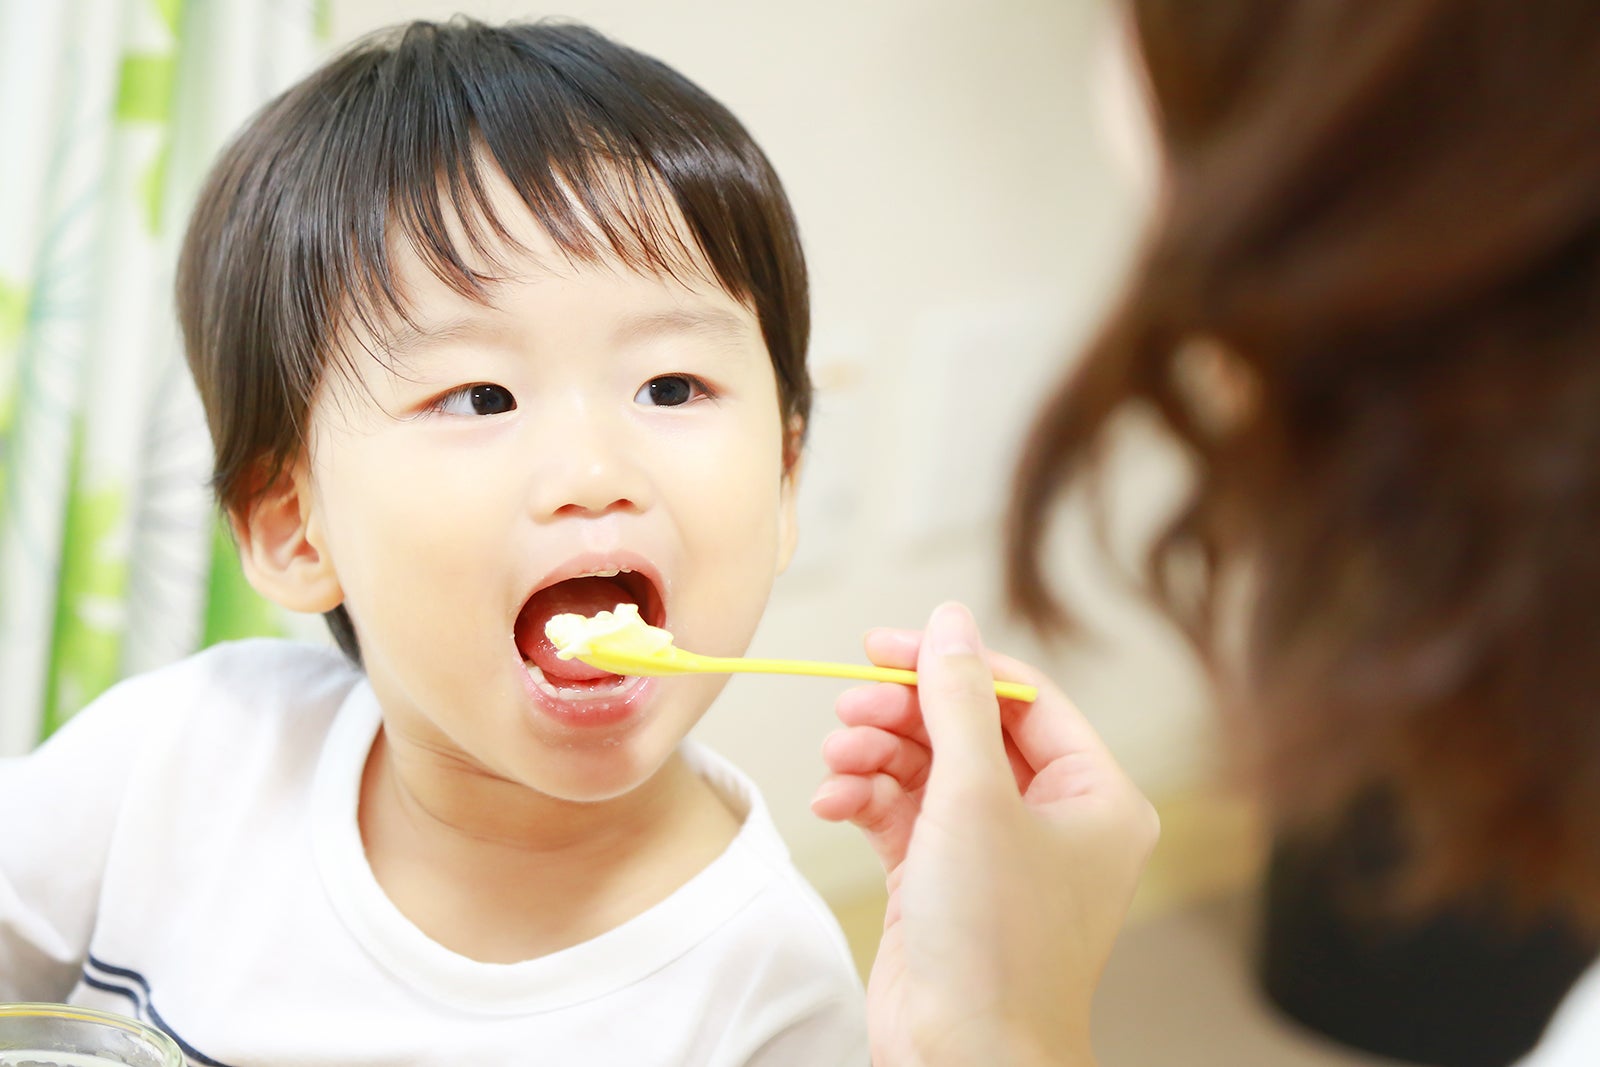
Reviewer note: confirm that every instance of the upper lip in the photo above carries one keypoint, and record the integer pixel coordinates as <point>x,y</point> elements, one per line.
<point>588,564</point>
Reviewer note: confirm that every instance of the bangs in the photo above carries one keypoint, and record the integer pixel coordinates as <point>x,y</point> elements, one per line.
<point>616,156</point>
<point>401,142</point>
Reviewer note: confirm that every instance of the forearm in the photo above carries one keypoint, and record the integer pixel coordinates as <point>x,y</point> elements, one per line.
<point>1010,1048</point>
<point>1024,1052</point>
<point>1011,1055</point>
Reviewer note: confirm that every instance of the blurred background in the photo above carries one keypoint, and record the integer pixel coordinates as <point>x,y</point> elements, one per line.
<point>969,180</point>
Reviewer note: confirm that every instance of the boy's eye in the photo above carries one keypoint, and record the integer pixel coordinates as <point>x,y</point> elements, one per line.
<point>481,399</point>
<point>670,390</point>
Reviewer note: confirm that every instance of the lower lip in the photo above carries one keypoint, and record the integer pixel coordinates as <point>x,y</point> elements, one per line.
<point>615,707</point>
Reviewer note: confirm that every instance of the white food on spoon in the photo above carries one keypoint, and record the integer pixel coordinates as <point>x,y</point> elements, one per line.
<point>620,632</point>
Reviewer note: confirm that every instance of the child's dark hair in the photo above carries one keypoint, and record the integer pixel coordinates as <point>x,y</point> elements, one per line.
<point>287,253</point>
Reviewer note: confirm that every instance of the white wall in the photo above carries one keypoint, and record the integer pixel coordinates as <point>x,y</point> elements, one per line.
<point>964,221</point>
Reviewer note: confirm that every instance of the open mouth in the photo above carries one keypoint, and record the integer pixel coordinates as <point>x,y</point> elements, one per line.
<point>582,595</point>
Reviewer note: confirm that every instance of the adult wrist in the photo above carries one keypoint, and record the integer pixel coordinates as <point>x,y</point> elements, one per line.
<point>1058,1045</point>
<point>1013,1050</point>
<point>1029,1053</point>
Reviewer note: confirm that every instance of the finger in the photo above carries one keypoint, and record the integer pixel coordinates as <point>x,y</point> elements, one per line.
<point>1021,769</point>
<point>893,708</point>
<point>887,706</point>
<point>1041,731</point>
<point>868,750</point>
<point>1048,727</point>
<point>956,693</point>
<point>888,647</point>
<point>841,797</point>
<point>899,648</point>
<point>897,712</point>
<point>877,806</point>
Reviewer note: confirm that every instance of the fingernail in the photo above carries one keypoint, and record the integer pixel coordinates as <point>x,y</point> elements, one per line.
<point>952,631</point>
<point>824,793</point>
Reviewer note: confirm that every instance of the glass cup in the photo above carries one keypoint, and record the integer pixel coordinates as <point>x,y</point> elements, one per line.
<point>59,1035</point>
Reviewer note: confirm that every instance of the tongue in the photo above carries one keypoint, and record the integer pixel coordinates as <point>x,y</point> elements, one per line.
<point>581,596</point>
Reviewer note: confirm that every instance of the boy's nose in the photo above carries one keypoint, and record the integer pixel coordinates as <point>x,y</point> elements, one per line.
<point>585,467</point>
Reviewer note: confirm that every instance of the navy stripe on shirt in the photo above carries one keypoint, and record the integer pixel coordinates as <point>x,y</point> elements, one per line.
<point>137,989</point>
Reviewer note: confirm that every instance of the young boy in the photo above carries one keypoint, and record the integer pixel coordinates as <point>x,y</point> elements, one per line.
<point>490,324</point>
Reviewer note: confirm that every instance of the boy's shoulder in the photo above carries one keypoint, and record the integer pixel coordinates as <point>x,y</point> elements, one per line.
<point>257,671</point>
<point>236,689</point>
<point>263,673</point>
<point>166,750</point>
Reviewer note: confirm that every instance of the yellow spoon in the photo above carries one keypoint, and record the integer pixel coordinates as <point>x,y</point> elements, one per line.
<point>623,643</point>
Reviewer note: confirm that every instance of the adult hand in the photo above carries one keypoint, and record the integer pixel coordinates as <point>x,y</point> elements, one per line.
<point>1012,842</point>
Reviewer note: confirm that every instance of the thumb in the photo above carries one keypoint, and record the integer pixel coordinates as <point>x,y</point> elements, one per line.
<point>956,692</point>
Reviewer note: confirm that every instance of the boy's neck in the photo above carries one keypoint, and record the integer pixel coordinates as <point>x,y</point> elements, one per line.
<point>500,873</point>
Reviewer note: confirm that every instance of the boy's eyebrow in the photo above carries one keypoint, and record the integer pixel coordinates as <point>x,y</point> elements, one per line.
<point>406,339</point>
<point>715,323</point>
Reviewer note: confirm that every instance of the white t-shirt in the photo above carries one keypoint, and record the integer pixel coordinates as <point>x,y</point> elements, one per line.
<point>186,851</point>
<point>1573,1037</point>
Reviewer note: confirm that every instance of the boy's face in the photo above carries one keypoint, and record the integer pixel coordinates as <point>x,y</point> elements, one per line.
<point>587,436</point>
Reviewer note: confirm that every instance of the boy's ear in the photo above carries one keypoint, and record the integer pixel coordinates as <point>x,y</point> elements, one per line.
<point>788,495</point>
<point>281,546</point>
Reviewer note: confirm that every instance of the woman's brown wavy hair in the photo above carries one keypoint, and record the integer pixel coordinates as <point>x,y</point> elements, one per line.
<point>1382,222</point>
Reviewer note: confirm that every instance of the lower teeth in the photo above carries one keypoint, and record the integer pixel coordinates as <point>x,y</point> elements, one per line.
<point>596,688</point>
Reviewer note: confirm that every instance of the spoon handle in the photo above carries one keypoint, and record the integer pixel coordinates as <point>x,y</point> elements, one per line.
<point>860,672</point>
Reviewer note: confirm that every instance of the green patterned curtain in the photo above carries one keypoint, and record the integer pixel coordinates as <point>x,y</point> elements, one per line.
<point>112,560</point>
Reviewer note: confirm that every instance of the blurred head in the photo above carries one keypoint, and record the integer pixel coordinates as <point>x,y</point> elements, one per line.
<point>388,152</point>
<point>1367,307</point>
